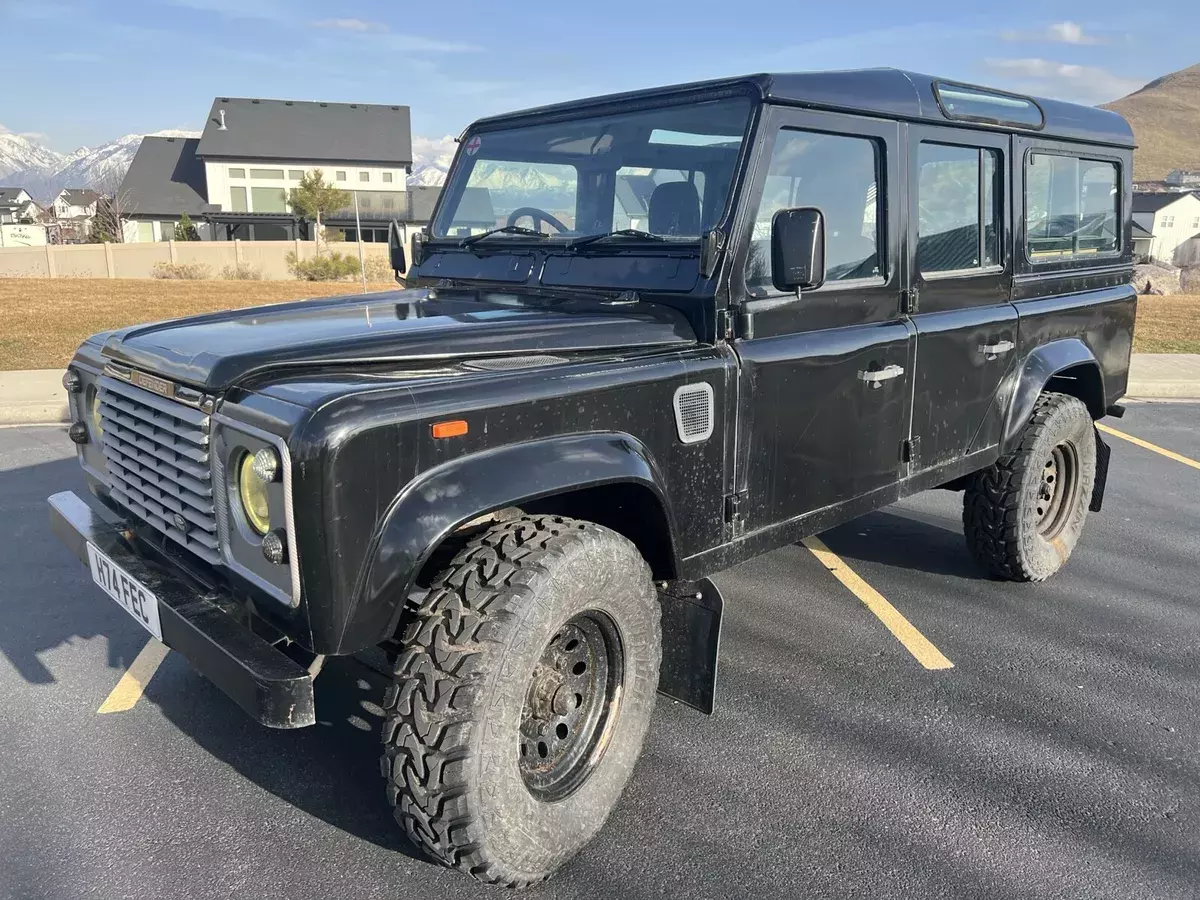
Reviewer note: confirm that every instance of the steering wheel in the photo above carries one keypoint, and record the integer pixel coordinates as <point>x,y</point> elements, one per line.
<point>538,216</point>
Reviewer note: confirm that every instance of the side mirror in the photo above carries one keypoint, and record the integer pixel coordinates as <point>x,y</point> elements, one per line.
<point>798,249</point>
<point>396,249</point>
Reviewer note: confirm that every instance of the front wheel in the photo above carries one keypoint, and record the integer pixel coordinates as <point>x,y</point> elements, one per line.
<point>521,697</point>
<point>1023,515</point>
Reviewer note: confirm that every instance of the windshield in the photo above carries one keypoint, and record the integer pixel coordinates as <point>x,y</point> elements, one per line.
<point>664,171</point>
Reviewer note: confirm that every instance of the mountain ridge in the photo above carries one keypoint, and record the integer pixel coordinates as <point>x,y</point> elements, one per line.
<point>1165,117</point>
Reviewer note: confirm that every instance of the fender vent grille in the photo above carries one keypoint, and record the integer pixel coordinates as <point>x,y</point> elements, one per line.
<point>694,412</point>
<point>508,363</point>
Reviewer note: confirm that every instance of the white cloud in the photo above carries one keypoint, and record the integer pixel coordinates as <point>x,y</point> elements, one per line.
<point>350,25</point>
<point>1064,81</point>
<point>1056,33</point>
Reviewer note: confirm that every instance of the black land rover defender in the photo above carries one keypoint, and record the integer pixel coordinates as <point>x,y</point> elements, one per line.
<point>645,337</point>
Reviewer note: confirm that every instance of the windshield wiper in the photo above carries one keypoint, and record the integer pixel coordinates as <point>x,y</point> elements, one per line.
<point>622,232</point>
<point>503,229</point>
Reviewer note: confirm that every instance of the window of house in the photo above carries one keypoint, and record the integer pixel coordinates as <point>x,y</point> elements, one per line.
<point>839,175</point>
<point>389,203</point>
<point>364,176</point>
<point>958,199</point>
<point>237,196</point>
<point>1168,221</point>
<point>267,174</point>
<point>1196,222</point>
<point>269,199</point>
<point>295,174</point>
<point>237,173</point>
<point>387,177</point>
<point>339,175</point>
<point>1070,206</point>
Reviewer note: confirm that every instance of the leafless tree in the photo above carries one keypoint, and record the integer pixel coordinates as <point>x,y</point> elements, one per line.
<point>108,225</point>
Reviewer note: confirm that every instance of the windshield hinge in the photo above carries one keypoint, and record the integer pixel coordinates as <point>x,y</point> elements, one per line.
<point>910,301</point>
<point>724,325</point>
<point>734,507</point>
<point>909,449</point>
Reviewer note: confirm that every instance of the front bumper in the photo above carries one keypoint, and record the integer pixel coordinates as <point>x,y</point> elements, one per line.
<point>272,687</point>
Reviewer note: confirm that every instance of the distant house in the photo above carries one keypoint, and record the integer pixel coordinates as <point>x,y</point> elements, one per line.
<point>16,205</point>
<point>1172,219</point>
<point>164,181</point>
<point>1142,239</point>
<point>1183,179</point>
<point>75,203</point>
<point>235,178</point>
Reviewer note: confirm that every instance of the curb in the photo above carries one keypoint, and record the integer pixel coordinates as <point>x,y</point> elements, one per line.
<point>34,412</point>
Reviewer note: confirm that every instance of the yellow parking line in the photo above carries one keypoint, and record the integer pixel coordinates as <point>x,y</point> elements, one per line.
<point>1169,454</point>
<point>914,642</point>
<point>129,689</point>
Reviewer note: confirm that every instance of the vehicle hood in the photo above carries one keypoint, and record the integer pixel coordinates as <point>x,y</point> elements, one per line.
<point>215,351</point>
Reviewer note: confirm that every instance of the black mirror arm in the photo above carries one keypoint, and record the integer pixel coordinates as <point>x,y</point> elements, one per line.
<point>747,309</point>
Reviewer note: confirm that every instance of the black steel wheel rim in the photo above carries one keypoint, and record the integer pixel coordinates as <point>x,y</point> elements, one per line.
<point>1058,490</point>
<point>571,706</point>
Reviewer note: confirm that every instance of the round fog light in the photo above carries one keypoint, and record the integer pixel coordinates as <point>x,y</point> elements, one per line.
<point>274,548</point>
<point>78,433</point>
<point>266,465</point>
<point>71,381</point>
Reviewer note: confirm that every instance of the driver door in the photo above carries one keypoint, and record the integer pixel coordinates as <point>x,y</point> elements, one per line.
<point>825,387</point>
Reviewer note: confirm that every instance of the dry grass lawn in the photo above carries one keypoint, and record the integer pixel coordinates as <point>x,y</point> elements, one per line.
<point>45,320</point>
<point>1168,324</point>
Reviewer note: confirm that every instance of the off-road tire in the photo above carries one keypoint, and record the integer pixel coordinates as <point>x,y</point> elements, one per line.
<point>1000,504</point>
<point>460,681</point>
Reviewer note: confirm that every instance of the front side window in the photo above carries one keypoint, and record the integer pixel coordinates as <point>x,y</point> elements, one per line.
<point>837,174</point>
<point>958,225</point>
<point>1071,206</point>
<point>664,170</point>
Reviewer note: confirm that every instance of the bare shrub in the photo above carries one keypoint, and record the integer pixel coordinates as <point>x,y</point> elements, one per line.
<point>326,267</point>
<point>379,269</point>
<point>181,271</point>
<point>241,272</point>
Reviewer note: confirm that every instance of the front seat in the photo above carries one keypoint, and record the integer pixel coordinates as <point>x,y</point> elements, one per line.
<point>675,209</point>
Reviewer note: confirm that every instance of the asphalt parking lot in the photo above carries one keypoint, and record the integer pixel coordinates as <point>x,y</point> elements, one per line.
<point>1056,758</point>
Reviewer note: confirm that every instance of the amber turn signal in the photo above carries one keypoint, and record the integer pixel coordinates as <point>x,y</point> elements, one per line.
<point>450,429</point>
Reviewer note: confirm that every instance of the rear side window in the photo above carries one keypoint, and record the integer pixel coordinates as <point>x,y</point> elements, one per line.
<point>1071,207</point>
<point>837,174</point>
<point>958,200</point>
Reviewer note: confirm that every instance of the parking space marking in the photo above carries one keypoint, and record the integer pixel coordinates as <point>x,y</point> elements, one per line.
<point>1169,454</point>
<point>904,631</point>
<point>129,689</point>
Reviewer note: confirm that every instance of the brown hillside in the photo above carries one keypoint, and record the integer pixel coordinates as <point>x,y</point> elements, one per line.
<point>1165,116</point>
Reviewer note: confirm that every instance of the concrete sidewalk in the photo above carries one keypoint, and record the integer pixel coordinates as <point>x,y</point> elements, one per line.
<point>33,397</point>
<point>36,396</point>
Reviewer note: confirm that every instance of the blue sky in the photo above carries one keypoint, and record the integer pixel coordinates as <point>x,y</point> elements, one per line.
<point>86,71</point>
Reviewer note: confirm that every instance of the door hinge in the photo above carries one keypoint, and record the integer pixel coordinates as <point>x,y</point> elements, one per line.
<point>910,301</point>
<point>734,508</point>
<point>910,449</point>
<point>724,325</point>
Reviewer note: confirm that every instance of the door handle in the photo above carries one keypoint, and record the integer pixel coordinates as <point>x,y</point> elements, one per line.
<point>876,379</point>
<point>991,351</point>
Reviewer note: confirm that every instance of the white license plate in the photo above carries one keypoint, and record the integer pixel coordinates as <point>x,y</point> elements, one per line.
<point>134,597</point>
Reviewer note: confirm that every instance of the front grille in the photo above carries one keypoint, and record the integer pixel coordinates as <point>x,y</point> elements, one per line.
<point>157,453</point>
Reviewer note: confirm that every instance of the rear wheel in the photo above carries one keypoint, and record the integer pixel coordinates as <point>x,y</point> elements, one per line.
<point>521,697</point>
<point>1023,515</point>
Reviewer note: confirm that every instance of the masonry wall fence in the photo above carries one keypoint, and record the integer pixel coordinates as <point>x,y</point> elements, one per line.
<point>268,258</point>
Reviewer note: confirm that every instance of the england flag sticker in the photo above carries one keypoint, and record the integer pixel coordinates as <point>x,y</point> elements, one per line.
<point>473,145</point>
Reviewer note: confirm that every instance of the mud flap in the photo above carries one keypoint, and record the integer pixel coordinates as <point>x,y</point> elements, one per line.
<point>691,634</point>
<point>1103,452</point>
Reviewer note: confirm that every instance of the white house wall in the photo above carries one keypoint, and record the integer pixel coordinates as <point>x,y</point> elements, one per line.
<point>219,181</point>
<point>1173,226</point>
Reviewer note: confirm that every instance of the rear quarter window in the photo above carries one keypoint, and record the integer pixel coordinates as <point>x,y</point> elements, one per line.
<point>1071,207</point>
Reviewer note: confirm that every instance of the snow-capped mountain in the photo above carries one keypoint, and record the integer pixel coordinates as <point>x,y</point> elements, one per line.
<point>431,159</point>
<point>44,172</point>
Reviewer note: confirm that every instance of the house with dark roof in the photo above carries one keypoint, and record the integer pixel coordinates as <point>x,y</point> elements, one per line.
<point>236,176</point>
<point>1173,220</point>
<point>75,203</point>
<point>164,181</point>
<point>16,205</point>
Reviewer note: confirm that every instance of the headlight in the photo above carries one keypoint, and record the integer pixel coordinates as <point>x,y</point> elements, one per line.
<point>94,410</point>
<point>252,491</point>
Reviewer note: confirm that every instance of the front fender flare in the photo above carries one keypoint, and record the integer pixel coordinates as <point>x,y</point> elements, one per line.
<point>1042,364</point>
<point>443,499</point>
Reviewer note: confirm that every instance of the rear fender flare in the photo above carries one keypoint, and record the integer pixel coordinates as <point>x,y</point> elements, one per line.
<point>443,499</point>
<point>1040,366</point>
